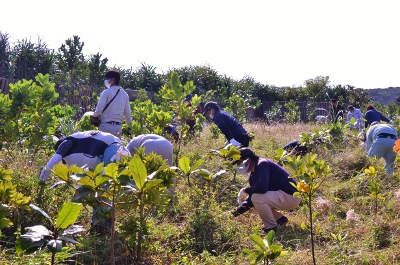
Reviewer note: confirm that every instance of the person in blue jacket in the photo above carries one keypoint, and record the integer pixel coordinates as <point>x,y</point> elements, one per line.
<point>269,191</point>
<point>228,125</point>
<point>374,115</point>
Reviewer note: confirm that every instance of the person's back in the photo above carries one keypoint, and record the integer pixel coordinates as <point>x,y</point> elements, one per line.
<point>373,115</point>
<point>153,143</point>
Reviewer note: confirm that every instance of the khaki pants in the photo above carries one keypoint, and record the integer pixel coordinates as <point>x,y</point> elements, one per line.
<point>110,128</point>
<point>267,205</point>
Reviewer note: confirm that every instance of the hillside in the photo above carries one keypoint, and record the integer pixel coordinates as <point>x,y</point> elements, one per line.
<point>385,95</point>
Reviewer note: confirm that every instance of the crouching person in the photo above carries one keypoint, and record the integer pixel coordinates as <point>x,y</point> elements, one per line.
<point>86,149</point>
<point>269,192</point>
<point>380,140</point>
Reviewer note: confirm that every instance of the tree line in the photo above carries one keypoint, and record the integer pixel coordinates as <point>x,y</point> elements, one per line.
<point>73,71</point>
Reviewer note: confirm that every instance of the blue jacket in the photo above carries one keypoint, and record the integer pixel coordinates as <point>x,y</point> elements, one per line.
<point>228,125</point>
<point>374,115</point>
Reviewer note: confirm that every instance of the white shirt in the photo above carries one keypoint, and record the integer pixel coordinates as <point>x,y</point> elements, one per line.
<point>357,115</point>
<point>117,110</point>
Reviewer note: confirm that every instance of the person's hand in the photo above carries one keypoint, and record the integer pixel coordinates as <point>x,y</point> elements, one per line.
<point>242,195</point>
<point>391,122</point>
<point>235,143</point>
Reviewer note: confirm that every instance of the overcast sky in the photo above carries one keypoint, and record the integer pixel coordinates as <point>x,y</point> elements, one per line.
<point>280,43</point>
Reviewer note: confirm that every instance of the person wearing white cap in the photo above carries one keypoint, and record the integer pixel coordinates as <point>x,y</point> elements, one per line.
<point>270,190</point>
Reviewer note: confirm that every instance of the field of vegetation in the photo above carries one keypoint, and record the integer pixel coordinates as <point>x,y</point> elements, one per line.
<point>349,210</point>
<point>351,223</point>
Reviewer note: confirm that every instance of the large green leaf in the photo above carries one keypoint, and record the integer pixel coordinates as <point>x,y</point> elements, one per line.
<point>139,172</point>
<point>184,164</point>
<point>151,183</point>
<point>61,171</point>
<point>68,214</point>
<point>87,182</point>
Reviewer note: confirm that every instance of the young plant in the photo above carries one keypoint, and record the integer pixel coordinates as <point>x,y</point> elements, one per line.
<point>310,174</point>
<point>374,187</point>
<point>38,237</point>
<point>10,199</point>
<point>265,250</point>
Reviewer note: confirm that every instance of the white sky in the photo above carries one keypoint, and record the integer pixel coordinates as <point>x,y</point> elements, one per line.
<point>278,42</point>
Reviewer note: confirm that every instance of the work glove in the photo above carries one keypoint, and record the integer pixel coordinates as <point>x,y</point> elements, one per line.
<point>44,175</point>
<point>242,195</point>
<point>391,122</point>
<point>235,143</point>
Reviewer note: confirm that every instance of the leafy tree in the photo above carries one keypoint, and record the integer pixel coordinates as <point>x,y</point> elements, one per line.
<point>28,116</point>
<point>5,55</point>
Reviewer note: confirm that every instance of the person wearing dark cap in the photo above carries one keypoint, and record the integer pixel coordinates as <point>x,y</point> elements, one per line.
<point>374,115</point>
<point>113,106</point>
<point>229,125</point>
<point>269,191</point>
<point>335,112</point>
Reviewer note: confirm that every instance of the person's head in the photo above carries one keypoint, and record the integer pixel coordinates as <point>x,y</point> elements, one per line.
<point>209,109</point>
<point>333,102</point>
<point>350,108</point>
<point>246,162</point>
<point>370,107</point>
<point>112,77</point>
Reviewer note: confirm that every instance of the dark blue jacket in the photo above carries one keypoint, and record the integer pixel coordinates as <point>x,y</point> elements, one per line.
<point>374,115</point>
<point>228,125</point>
<point>267,176</point>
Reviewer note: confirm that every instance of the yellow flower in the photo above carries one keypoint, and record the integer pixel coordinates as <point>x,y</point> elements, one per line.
<point>303,187</point>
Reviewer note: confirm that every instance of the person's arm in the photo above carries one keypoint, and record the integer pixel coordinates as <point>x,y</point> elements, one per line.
<point>101,104</point>
<point>246,205</point>
<point>383,118</point>
<point>127,114</point>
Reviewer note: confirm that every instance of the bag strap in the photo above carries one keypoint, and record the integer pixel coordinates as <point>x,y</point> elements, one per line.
<point>110,101</point>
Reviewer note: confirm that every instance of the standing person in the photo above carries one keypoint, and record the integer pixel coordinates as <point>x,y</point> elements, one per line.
<point>229,125</point>
<point>112,116</point>
<point>357,115</point>
<point>380,140</point>
<point>335,111</point>
<point>152,143</point>
<point>374,115</point>
<point>269,191</point>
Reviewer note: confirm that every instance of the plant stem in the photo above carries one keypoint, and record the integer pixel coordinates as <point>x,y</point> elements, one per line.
<point>311,228</point>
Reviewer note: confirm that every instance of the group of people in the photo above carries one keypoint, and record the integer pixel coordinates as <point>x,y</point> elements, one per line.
<point>270,189</point>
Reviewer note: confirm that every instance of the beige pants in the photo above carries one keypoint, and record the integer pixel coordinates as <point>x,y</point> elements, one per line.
<point>267,205</point>
<point>110,128</point>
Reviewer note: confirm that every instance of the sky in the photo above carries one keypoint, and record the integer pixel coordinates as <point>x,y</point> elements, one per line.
<point>281,43</point>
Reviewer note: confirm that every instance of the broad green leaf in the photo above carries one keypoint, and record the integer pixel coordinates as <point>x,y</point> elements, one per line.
<point>197,164</point>
<point>184,164</point>
<point>87,182</point>
<point>101,180</point>
<point>258,240</point>
<point>61,171</point>
<point>151,183</point>
<point>5,222</point>
<point>270,238</point>
<point>68,214</point>
<point>139,172</point>
<point>99,168</point>
<point>76,169</point>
